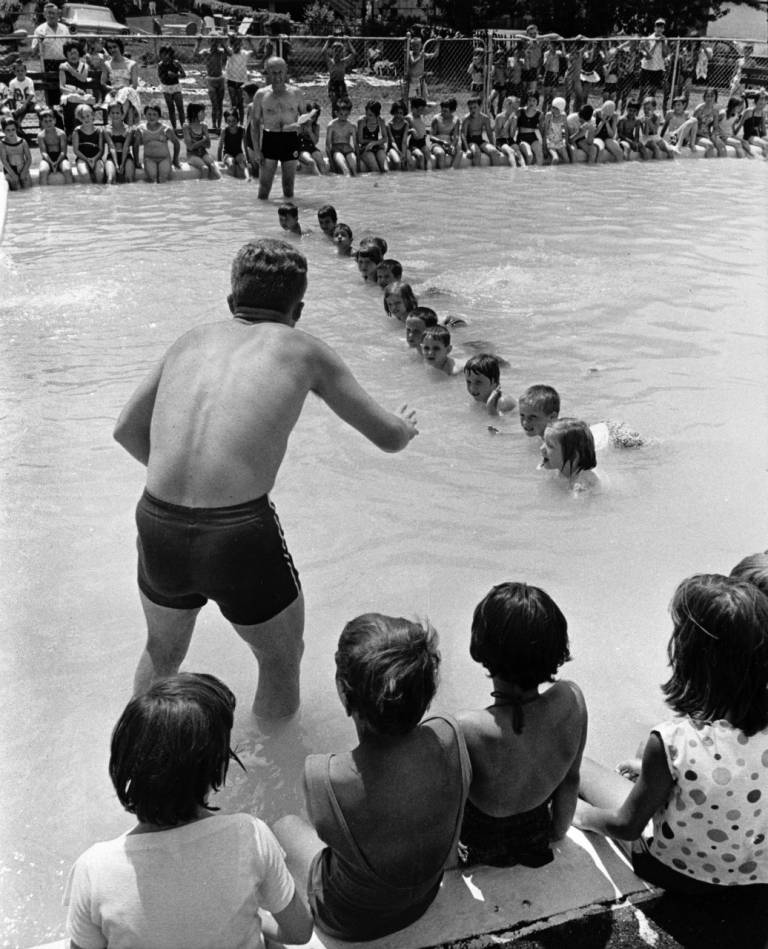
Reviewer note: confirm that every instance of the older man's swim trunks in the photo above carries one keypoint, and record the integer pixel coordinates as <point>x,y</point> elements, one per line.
<point>280,146</point>
<point>235,556</point>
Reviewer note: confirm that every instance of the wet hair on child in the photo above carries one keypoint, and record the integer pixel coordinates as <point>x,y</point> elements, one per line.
<point>483,364</point>
<point>170,748</point>
<point>541,399</point>
<point>387,670</point>
<point>289,209</point>
<point>394,266</point>
<point>194,109</point>
<point>328,210</point>
<point>370,252</point>
<point>404,291</point>
<point>427,315</point>
<point>753,569</point>
<point>342,228</point>
<point>379,242</point>
<point>439,334</point>
<point>519,634</point>
<point>576,441</point>
<point>417,102</point>
<point>718,652</point>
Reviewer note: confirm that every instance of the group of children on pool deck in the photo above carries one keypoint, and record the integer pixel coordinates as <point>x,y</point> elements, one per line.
<point>568,445</point>
<point>516,137</point>
<point>499,786</point>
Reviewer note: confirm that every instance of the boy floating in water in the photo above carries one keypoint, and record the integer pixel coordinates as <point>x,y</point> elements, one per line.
<point>288,216</point>
<point>540,406</point>
<point>436,350</point>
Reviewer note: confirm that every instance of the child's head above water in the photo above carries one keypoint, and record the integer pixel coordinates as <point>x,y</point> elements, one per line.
<point>718,652</point>
<point>368,259</point>
<point>481,373</point>
<point>342,238</point>
<point>327,218</point>
<point>399,300</point>
<point>288,216</point>
<point>372,241</point>
<point>386,672</point>
<point>539,406</point>
<point>568,447</point>
<point>754,569</point>
<point>388,271</point>
<point>520,635</point>
<point>436,346</point>
<point>417,323</point>
<point>170,748</point>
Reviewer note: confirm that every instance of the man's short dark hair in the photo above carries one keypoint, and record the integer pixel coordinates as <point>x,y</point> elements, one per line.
<point>268,273</point>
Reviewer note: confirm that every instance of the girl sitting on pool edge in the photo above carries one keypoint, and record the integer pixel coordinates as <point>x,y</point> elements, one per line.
<point>172,879</point>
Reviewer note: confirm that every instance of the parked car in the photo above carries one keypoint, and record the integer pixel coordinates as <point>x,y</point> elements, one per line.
<point>86,18</point>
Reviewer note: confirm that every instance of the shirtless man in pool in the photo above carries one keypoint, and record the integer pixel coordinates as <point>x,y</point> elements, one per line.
<point>211,423</point>
<point>274,116</point>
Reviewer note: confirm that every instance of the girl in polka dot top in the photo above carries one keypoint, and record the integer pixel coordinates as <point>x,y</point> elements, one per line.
<point>704,775</point>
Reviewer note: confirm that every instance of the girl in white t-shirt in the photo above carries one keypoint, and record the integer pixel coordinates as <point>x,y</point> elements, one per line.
<point>704,773</point>
<point>183,876</point>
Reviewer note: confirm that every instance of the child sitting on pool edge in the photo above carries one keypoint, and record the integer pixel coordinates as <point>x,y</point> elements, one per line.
<point>483,384</point>
<point>525,747</point>
<point>171,880</point>
<point>569,449</point>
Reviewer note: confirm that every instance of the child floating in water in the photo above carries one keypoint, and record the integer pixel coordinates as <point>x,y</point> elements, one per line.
<point>540,405</point>
<point>327,219</point>
<point>482,376</point>
<point>288,216</point>
<point>342,238</point>
<point>704,772</point>
<point>436,350</point>
<point>569,449</point>
<point>526,746</point>
<point>172,879</point>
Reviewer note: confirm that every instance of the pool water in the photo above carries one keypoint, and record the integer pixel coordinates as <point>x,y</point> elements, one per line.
<point>639,291</point>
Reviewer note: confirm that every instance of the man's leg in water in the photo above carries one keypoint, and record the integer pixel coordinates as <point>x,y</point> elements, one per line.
<point>168,636</point>
<point>278,644</point>
<point>289,176</point>
<point>267,171</point>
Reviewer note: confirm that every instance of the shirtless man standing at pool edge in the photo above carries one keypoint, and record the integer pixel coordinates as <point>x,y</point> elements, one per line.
<point>211,423</point>
<point>275,113</point>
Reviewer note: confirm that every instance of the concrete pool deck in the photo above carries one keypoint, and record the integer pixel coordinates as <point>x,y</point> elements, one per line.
<point>588,898</point>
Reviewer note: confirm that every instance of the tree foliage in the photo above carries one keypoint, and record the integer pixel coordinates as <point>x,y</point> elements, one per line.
<point>589,17</point>
<point>319,18</point>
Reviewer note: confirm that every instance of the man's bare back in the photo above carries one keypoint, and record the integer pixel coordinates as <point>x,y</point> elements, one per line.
<point>211,422</point>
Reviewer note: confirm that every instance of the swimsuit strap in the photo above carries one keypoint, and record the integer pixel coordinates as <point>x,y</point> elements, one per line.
<point>517,707</point>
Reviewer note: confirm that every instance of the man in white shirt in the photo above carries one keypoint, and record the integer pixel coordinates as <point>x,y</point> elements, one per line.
<point>49,37</point>
<point>654,50</point>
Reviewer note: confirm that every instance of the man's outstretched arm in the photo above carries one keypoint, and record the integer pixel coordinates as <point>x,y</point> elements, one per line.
<point>337,386</point>
<point>132,428</point>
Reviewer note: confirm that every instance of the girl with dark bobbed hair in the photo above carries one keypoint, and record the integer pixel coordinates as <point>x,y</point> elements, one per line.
<point>183,876</point>
<point>387,814</point>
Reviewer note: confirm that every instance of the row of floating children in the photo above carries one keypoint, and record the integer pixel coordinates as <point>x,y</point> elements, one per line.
<point>568,445</point>
<point>517,137</point>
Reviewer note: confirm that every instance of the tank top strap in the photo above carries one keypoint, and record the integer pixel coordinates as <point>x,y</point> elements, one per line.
<point>324,808</point>
<point>466,773</point>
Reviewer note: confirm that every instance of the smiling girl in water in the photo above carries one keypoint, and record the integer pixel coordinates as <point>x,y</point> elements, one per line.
<point>569,447</point>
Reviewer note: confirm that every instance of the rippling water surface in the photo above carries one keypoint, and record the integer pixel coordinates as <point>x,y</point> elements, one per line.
<point>638,291</point>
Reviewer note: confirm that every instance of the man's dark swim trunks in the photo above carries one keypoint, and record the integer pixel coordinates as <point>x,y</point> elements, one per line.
<point>235,556</point>
<point>280,146</point>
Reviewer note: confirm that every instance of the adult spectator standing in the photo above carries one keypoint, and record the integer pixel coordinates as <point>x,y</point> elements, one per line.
<point>48,39</point>
<point>275,117</point>
<point>654,50</point>
<point>211,423</point>
<point>215,59</point>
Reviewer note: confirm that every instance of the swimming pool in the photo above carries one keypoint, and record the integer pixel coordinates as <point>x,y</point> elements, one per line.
<point>637,290</point>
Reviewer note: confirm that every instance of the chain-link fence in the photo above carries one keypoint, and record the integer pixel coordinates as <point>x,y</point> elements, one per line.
<point>491,64</point>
